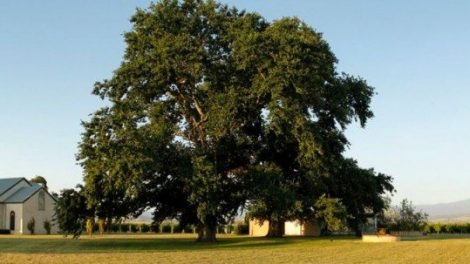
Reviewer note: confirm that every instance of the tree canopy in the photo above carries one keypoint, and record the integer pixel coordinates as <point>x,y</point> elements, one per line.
<point>40,180</point>
<point>404,217</point>
<point>71,211</point>
<point>213,109</point>
<point>362,191</point>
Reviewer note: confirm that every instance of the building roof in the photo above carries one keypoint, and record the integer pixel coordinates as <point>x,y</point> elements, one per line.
<point>7,183</point>
<point>23,194</point>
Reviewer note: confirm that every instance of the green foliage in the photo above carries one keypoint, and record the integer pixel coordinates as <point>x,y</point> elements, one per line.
<point>124,228</point>
<point>144,228</point>
<point>230,229</point>
<point>47,226</point>
<point>406,218</point>
<point>362,191</point>
<point>31,225</point>
<point>134,228</point>
<point>273,199</point>
<point>155,228</point>
<point>166,228</point>
<point>447,229</point>
<point>177,228</point>
<point>206,95</point>
<point>450,228</point>
<point>188,229</point>
<point>114,227</point>
<point>331,213</point>
<point>221,229</point>
<point>40,180</point>
<point>71,211</point>
<point>427,228</point>
<point>242,228</point>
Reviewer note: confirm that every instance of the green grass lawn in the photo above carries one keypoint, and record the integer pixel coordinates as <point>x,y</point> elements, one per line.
<point>229,249</point>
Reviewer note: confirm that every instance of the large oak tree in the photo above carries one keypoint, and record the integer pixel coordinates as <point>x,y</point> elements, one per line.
<point>209,100</point>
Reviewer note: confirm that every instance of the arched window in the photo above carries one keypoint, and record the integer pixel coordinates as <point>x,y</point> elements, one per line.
<point>41,201</point>
<point>12,220</point>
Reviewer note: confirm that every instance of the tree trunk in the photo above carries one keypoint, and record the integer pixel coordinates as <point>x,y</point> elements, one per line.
<point>200,232</point>
<point>109,222</point>
<point>206,232</point>
<point>358,232</point>
<point>209,233</point>
<point>357,229</point>
<point>276,228</point>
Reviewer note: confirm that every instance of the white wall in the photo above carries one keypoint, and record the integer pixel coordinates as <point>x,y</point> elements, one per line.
<point>2,216</point>
<point>18,209</point>
<point>292,228</point>
<point>31,209</point>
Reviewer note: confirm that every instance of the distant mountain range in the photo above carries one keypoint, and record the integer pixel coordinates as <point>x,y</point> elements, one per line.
<point>448,212</point>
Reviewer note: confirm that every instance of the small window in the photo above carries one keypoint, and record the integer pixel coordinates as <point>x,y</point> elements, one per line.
<point>12,220</point>
<point>41,201</point>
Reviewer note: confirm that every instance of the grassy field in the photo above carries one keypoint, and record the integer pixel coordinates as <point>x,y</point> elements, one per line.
<point>229,249</point>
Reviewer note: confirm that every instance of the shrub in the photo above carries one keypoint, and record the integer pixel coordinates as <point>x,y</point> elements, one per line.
<point>426,228</point>
<point>177,228</point>
<point>154,227</point>
<point>144,228</point>
<point>405,217</point>
<point>124,228</point>
<point>47,226</point>
<point>447,228</point>
<point>242,229</point>
<point>114,228</point>
<point>134,228</point>
<point>459,228</point>
<point>71,211</point>
<point>188,229</point>
<point>221,229</point>
<point>166,228</point>
<point>31,225</point>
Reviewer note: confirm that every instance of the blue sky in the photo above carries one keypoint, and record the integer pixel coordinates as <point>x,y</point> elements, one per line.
<point>416,54</point>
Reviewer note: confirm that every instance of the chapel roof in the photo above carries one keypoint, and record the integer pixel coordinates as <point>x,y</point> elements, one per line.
<point>7,183</point>
<point>23,194</point>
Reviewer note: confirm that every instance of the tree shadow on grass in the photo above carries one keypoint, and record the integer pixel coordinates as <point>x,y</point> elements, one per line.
<point>147,244</point>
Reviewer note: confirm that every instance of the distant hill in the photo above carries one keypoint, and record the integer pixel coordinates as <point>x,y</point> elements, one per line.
<point>448,212</point>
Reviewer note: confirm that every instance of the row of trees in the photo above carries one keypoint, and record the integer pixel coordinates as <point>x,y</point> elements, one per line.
<point>450,228</point>
<point>215,111</point>
<point>240,228</point>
